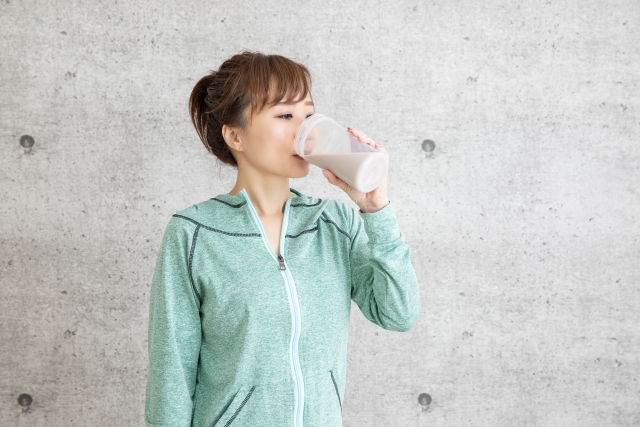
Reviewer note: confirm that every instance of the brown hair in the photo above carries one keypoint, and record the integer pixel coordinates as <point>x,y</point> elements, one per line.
<point>244,80</point>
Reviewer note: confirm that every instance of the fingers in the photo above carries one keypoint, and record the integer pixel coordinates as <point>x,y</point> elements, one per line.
<point>364,138</point>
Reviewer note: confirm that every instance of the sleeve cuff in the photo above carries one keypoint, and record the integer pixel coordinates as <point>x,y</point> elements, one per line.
<point>381,226</point>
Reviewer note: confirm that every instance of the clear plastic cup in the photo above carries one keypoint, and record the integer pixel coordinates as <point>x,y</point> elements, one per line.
<point>323,142</point>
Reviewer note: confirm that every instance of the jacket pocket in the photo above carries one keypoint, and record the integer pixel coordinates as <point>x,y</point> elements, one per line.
<point>335,385</point>
<point>238,403</point>
<point>323,404</point>
<point>260,405</point>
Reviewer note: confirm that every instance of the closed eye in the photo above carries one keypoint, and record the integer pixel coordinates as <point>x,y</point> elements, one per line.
<point>291,115</point>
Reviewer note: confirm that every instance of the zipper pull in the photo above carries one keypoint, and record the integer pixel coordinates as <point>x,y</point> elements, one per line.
<point>281,259</point>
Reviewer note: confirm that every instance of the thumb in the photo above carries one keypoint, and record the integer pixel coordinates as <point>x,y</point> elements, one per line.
<point>333,179</point>
<point>353,194</point>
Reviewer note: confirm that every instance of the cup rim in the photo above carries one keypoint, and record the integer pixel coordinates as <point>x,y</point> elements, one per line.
<point>304,129</point>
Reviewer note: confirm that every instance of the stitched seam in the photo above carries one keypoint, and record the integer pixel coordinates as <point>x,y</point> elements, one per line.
<point>241,405</point>
<point>300,234</point>
<point>229,204</point>
<point>336,225</point>
<point>216,230</point>
<point>193,247</point>
<point>336,387</point>
<point>305,205</point>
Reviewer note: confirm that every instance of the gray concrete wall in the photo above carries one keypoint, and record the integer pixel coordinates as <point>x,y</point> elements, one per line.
<point>523,221</point>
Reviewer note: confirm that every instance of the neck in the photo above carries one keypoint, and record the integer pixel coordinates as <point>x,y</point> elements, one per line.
<point>267,200</point>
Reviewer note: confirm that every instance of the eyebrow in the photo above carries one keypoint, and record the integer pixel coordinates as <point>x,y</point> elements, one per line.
<point>289,103</point>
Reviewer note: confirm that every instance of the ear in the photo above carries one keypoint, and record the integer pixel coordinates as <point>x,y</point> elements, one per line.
<point>232,138</point>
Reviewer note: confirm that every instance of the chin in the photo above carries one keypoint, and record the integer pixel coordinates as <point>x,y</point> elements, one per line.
<point>299,174</point>
<point>300,171</point>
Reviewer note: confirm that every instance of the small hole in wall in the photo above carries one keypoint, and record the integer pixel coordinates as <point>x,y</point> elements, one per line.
<point>424,399</point>
<point>27,141</point>
<point>428,146</point>
<point>25,400</point>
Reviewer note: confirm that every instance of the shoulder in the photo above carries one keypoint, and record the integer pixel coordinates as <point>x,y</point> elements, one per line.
<point>206,213</point>
<point>195,211</point>
<point>182,224</point>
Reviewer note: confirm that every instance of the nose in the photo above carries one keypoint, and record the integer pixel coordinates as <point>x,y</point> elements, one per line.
<point>296,125</point>
<point>299,121</point>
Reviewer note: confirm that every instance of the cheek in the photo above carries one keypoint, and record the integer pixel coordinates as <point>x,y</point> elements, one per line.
<point>272,144</point>
<point>276,142</point>
<point>280,135</point>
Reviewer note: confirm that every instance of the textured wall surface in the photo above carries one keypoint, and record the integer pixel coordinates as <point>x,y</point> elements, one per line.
<point>522,213</point>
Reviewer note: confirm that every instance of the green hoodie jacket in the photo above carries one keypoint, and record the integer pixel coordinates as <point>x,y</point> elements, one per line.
<point>240,337</point>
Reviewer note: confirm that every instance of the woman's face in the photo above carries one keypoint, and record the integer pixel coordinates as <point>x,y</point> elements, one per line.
<point>268,142</point>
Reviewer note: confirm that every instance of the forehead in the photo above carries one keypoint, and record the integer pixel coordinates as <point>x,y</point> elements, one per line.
<point>306,101</point>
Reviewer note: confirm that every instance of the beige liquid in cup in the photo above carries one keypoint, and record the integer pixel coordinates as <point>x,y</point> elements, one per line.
<point>364,171</point>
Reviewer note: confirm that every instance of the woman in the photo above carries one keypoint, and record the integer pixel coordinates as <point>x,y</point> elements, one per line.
<point>251,293</point>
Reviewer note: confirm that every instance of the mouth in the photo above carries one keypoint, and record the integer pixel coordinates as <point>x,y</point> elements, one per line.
<point>297,156</point>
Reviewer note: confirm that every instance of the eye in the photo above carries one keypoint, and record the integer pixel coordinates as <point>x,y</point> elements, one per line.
<point>288,116</point>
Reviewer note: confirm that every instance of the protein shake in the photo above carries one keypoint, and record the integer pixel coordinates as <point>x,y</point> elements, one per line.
<point>323,142</point>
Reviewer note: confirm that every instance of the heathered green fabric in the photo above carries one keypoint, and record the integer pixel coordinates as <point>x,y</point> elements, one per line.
<point>236,341</point>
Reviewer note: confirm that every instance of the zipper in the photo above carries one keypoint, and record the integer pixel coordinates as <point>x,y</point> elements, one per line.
<point>296,371</point>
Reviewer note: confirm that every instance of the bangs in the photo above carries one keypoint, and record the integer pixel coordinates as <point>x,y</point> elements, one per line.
<point>274,79</point>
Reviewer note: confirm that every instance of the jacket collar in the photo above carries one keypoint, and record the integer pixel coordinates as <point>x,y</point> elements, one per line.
<point>232,214</point>
<point>299,199</point>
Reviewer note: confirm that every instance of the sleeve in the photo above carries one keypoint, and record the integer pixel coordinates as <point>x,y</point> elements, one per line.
<point>174,331</point>
<point>383,282</point>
